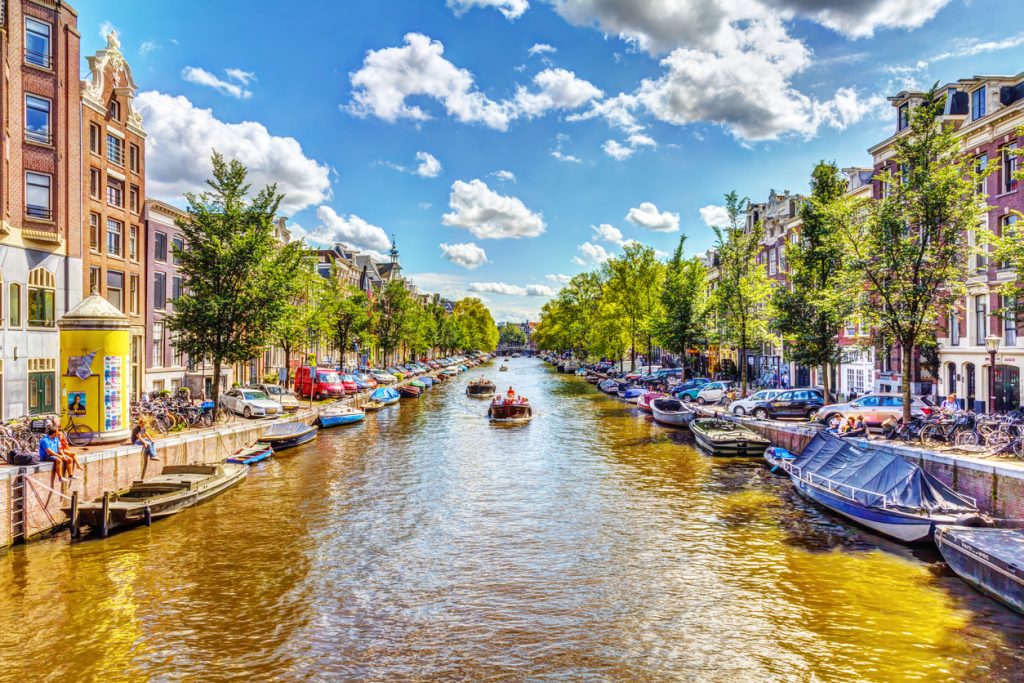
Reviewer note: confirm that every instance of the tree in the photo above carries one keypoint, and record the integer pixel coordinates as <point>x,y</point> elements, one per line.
<point>449,334</point>
<point>907,252</point>
<point>346,315</point>
<point>632,284</point>
<point>391,309</point>
<point>300,322</point>
<point>683,303</point>
<point>420,331</point>
<point>743,285</point>
<point>812,311</point>
<point>478,327</point>
<point>511,335</point>
<point>237,279</point>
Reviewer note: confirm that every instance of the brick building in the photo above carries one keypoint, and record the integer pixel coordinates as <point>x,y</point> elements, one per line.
<point>113,191</point>
<point>165,367</point>
<point>40,199</point>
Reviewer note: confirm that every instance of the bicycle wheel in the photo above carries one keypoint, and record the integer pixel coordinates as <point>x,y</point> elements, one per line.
<point>931,435</point>
<point>79,435</point>
<point>1018,447</point>
<point>161,423</point>
<point>997,439</point>
<point>966,437</point>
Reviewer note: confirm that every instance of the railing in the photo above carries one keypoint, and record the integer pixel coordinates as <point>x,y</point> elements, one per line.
<point>115,154</point>
<point>37,58</point>
<point>41,212</point>
<point>836,486</point>
<point>43,136</point>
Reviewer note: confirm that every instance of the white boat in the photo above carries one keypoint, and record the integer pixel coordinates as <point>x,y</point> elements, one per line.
<point>671,412</point>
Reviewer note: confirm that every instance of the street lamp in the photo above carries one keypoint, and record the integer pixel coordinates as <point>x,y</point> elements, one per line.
<point>992,345</point>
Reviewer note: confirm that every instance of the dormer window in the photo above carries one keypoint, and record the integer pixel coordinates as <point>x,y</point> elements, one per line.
<point>903,116</point>
<point>115,110</point>
<point>978,103</point>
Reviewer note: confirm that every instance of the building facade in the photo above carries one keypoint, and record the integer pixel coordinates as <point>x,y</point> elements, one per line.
<point>40,200</point>
<point>165,367</point>
<point>113,192</point>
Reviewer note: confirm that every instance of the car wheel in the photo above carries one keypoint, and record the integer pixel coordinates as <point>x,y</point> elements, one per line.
<point>685,398</point>
<point>316,396</point>
<point>812,413</point>
<point>700,400</point>
<point>738,410</point>
<point>761,413</point>
<point>247,412</point>
<point>833,421</point>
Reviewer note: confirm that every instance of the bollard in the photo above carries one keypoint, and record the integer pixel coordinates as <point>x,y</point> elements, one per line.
<point>148,516</point>
<point>74,514</point>
<point>105,527</point>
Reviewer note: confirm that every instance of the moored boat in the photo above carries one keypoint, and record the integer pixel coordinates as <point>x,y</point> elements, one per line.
<point>989,558</point>
<point>408,391</point>
<point>724,438</point>
<point>372,406</point>
<point>644,401</point>
<point>250,456</point>
<point>177,487</point>
<point>481,388</point>
<point>335,416</point>
<point>288,435</point>
<point>386,395</point>
<point>632,394</point>
<point>671,412</point>
<point>418,384</point>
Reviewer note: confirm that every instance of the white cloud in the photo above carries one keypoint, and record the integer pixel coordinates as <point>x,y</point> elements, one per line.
<point>467,255</point>
<point>714,216</point>
<point>505,176</point>
<point>148,46</point>
<point>541,48</point>
<point>557,152</point>
<point>183,136</point>
<point>556,89</point>
<point>539,290</point>
<point>489,215</point>
<point>106,28</point>
<point>861,18</point>
<point>511,9</point>
<point>640,140</point>
<point>559,278</point>
<point>616,150</point>
<point>618,112</point>
<point>591,254</point>
<point>973,46</point>
<point>647,216</point>
<point>425,205</point>
<point>429,166</point>
<point>351,230</point>
<point>511,290</point>
<point>608,233</point>
<point>243,77</point>
<point>199,76</point>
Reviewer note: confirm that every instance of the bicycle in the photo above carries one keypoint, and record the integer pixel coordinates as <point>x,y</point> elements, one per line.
<point>78,434</point>
<point>957,430</point>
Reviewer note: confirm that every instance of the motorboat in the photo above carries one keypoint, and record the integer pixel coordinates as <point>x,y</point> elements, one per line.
<point>372,405</point>
<point>176,487</point>
<point>724,438</point>
<point>386,395</point>
<point>876,489</point>
<point>644,401</point>
<point>335,416</point>
<point>285,435</point>
<point>988,555</point>
<point>481,388</point>
<point>671,412</point>
<point>503,368</point>
<point>250,456</point>
<point>408,391</point>
<point>510,410</point>
<point>633,394</point>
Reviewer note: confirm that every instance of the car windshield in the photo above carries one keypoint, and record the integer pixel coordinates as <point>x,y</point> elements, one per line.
<point>274,390</point>
<point>254,396</point>
<point>329,377</point>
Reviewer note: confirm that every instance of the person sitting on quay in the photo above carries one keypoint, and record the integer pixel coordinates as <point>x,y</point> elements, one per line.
<point>65,450</point>
<point>950,405</point>
<point>855,428</point>
<point>49,450</point>
<point>140,437</point>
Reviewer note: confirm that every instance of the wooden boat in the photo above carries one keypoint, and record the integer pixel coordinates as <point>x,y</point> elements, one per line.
<point>503,368</point>
<point>418,384</point>
<point>288,435</point>
<point>335,416</point>
<point>504,410</point>
<point>386,395</point>
<point>724,438</point>
<point>671,412</point>
<point>407,391</point>
<point>481,388</point>
<point>990,558</point>
<point>372,406</point>
<point>875,489</point>
<point>258,452</point>
<point>177,487</point>
<point>644,401</point>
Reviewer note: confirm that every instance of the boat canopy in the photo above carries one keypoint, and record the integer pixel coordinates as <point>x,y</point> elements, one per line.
<point>876,478</point>
<point>384,394</point>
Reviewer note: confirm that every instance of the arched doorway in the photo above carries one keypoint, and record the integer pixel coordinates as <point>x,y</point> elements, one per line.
<point>1007,387</point>
<point>970,385</point>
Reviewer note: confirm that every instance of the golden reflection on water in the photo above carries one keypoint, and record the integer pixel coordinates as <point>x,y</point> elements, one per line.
<point>426,544</point>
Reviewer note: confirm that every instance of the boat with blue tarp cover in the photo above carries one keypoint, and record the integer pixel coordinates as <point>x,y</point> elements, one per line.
<point>385,395</point>
<point>288,435</point>
<point>878,490</point>
<point>336,416</point>
<point>633,393</point>
<point>990,558</point>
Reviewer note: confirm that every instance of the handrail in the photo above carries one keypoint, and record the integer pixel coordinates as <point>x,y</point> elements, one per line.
<point>789,467</point>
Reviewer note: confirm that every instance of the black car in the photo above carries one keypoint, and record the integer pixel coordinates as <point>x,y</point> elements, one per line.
<point>791,403</point>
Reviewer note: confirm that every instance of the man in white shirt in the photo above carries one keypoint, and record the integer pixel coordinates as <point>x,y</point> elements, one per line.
<point>950,405</point>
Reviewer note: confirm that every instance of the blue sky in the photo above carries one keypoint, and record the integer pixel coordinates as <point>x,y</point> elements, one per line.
<point>531,137</point>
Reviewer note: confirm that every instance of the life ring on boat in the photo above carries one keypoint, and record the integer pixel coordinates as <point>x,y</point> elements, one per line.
<point>974,520</point>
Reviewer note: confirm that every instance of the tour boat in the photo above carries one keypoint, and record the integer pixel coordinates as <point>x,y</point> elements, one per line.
<point>875,489</point>
<point>176,487</point>
<point>386,395</point>
<point>990,558</point>
<point>288,435</point>
<point>407,391</point>
<point>671,412</point>
<point>481,388</point>
<point>721,437</point>
<point>644,401</point>
<point>335,416</point>
<point>509,410</point>
<point>251,455</point>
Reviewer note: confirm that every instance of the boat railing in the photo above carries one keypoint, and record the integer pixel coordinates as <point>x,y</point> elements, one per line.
<point>831,485</point>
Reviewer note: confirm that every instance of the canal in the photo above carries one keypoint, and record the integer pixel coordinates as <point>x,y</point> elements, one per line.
<point>427,544</point>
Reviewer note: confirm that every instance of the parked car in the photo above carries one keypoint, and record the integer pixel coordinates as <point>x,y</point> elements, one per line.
<point>790,403</point>
<point>711,392</point>
<point>382,377</point>
<point>321,383</point>
<point>688,390</point>
<point>663,375</point>
<point>743,406</point>
<point>876,408</point>
<point>350,384</point>
<point>250,403</point>
<point>367,379</point>
<point>280,394</point>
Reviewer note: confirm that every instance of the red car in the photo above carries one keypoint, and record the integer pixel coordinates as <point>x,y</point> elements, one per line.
<point>349,382</point>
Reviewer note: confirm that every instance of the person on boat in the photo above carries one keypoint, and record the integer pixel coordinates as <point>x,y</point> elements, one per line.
<point>140,437</point>
<point>49,450</point>
<point>510,395</point>
<point>950,405</point>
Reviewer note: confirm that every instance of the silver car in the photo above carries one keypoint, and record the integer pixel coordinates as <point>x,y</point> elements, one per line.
<point>875,408</point>
<point>743,406</point>
<point>250,403</point>
<point>280,394</point>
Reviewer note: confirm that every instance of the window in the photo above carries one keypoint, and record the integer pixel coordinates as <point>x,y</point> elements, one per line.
<point>133,157</point>
<point>14,305</point>
<point>115,237</point>
<point>954,328</point>
<point>37,42</point>
<point>115,192</point>
<point>159,291</point>
<point>175,288</point>
<point>115,149</point>
<point>1009,167</point>
<point>903,118</point>
<point>37,195</point>
<point>114,110</point>
<point>94,280</point>
<point>179,355</point>
<point>94,138</point>
<point>980,260</point>
<point>851,328</point>
<point>160,246</point>
<point>133,293</point>
<point>133,198</point>
<point>1006,225</point>
<point>978,103</point>
<point>1009,321</point>
<point>179,246</point>
<point>981,163</point>
<point>94,183</point>
<point>115,289</point>
<point>94,232</point>
<point>980,319</point>
<point>133,243</point>
<point>158,345</point>
<point>40,307</point>
<point>37,119</point>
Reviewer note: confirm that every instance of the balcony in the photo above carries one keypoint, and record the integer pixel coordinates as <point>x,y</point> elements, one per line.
<point>42,213</point>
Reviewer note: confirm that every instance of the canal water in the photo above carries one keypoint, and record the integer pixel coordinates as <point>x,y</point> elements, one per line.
<point>427,544</point>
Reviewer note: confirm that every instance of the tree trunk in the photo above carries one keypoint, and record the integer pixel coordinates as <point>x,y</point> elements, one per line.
<point>632,356</point>
<point>216,384</point>
<point>650,355</point>
<point>742,357</point>
<point>826,382</point>
<point>908,354</point>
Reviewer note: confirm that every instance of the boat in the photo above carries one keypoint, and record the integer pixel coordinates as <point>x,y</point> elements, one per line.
<point>503,368</point>
<point>644,401</point>
<point>408,391</point>
<point>724,438</point>
<point>875,489</point>
<point>509,410</point>
<point>386,395</point>
<point>989,558</point>
<point>258,452</point>
<point>774,455</point>
<point>335,416</point>
<point>609,386</point>
<point>427,381</point>
<point>372,406</point>
<point>176,487</point>
<point>418,384</point>
<point>288,435</point>
<point>481,388</point>
<point>632,394</point>
<point>671,412</point>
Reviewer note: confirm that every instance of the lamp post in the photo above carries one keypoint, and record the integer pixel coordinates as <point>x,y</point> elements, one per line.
<point>992,345</point>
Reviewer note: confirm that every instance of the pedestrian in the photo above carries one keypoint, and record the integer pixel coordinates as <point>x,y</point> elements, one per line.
<point>65,450</point>
<point>49,449</point>
<point>140,437</point>
<point>950,405</point>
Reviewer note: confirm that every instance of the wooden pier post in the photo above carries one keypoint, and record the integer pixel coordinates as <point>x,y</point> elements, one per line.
<point>74,514</point>
<point>105,528</point>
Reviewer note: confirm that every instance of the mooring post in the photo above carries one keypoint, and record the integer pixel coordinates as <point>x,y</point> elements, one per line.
<point>105,528</point>
<point>148,516</point>
<point>74,514</point>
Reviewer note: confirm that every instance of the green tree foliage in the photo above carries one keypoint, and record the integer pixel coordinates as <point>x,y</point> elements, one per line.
<point>301,325</point>
<point>743,286</point>
<point>478,327</point>
<point>1008,247</point>
<point>449,334</point>
<point>511,335</point>
<point>632,287</point>
<point>346,315</point>
<point>390,317</point>
<point>907,252</point>
<point>810,313</point>
<point>421,331</point>
<point>238,281</point>
<point>683,303</point>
